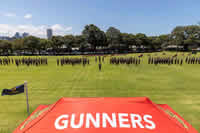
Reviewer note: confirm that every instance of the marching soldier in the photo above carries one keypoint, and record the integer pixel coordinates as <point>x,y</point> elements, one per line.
<point>99,58</point>
<point>57,62</point>
<point>95,59</point>
<point>100,66</point>
<point>181,63</point>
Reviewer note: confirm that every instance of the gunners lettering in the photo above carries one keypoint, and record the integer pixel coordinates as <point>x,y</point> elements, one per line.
<point>104,120</point>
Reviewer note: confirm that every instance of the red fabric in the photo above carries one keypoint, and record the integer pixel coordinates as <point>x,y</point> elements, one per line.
<point>124,113</point>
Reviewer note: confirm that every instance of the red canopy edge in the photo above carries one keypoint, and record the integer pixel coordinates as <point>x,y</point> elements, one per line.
<point>167,107</point>
<point>36,119</point>
<point>40,107</point>
<point>108,99</point>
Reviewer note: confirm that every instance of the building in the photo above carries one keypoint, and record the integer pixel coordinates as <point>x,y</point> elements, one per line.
<point>174,48</point>
<point>49,33</point>
<point>17,35</point>
<point>5,38</point>
<point>25,34</point>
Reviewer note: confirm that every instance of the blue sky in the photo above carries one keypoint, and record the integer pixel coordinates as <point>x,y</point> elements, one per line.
<point>152,17</point>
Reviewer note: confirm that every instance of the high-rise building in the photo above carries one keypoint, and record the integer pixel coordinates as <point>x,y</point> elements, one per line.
<point>49,33</point>
<point>17,35</point>
<point>25,34</point>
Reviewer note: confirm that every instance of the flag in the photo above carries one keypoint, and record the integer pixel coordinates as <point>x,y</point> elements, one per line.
<point>14,91</point>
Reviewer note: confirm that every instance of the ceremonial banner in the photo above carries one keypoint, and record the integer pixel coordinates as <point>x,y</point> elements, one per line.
<point>104,115</point>
<point>17,90</point>
<point>14,91</point>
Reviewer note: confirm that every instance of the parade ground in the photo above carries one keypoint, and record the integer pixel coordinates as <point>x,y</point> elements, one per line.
<point>175,85</point>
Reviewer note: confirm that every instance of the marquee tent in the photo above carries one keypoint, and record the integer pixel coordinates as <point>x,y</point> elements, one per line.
<point>105,115</point>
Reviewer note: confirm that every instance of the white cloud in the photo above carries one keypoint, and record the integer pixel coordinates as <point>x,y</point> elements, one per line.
<point>56,27</point>
<point>39,30</point>
<point>8,14</point>
<point>59,29</point>
<point>28,16</point>
<point>68,28</point>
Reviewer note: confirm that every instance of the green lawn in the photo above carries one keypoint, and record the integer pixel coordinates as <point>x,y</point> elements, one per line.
<point>177,86</point>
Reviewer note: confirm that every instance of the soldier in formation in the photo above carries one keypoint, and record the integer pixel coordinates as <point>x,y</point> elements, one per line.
<point>73,61</point>
<point>100,66</point>
<point>125,60</point>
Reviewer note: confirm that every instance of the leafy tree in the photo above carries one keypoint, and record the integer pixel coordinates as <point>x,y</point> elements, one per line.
<point>114,37</point>
<point>155,42</point>
<point>32,43</point>
<point>178,35</point>
<point>102,40</point>
<point>164,39</point>
<point>142,40</point>
<point>192,35</point>
<point>5,47</point>
<point>57,43</point>
<point>80,41</point>
<point>158,42</point>
<point>187,36</point>
<point>44,44</point>
<point>69,40</point>
<point>18,45</point>
<point>128,40</point>
<point>93,35</point>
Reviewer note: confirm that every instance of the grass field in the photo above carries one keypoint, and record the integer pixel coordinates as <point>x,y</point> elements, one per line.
<point>177,86</point>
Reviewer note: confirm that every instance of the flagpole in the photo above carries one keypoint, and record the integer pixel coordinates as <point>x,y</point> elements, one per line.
<point>26,88</point>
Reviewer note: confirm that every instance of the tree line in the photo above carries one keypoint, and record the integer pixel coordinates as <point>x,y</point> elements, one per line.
<point>93,39</point>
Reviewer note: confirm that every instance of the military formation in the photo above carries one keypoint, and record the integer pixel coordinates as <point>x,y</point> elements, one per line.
<point>192,60</point>
<point>175,59</point>
<point>31,61</point>
<point>165,60</point>
<point>125,60</point>
<point>73,61</point>
<point>153,59</point>
<point>24,61</point>
<point>6,61</point>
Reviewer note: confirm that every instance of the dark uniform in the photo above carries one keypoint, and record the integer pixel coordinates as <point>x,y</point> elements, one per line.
<point>100,66</point>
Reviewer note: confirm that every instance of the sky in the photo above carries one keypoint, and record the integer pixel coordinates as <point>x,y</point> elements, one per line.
<point>152,17</point>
